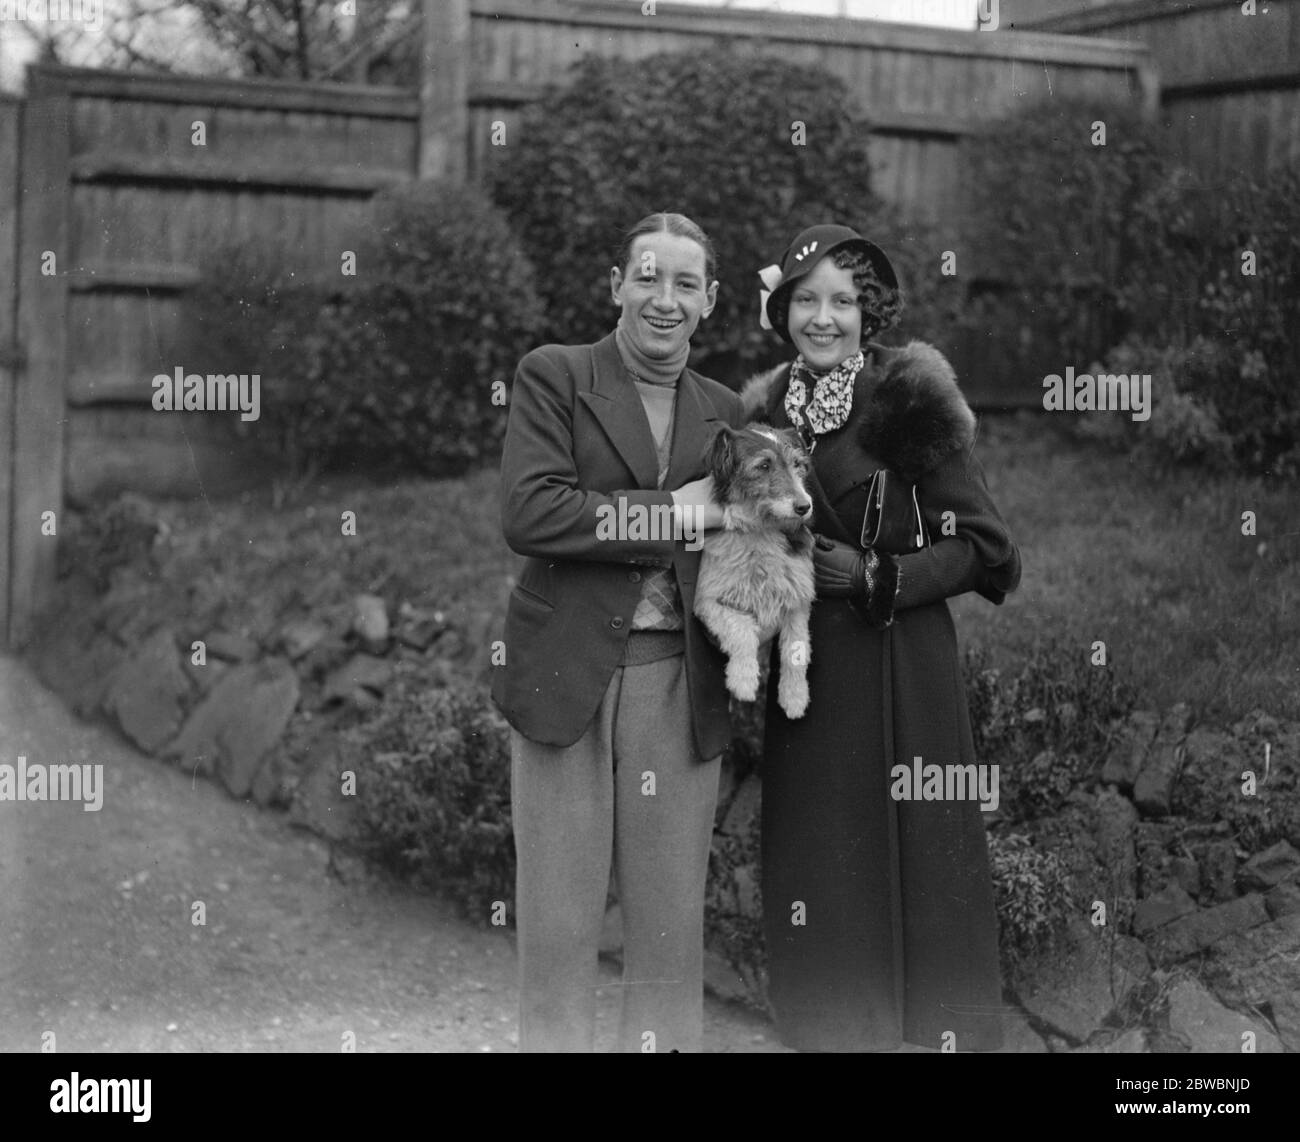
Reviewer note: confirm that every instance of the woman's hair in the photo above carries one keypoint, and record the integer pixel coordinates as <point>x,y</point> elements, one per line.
<point>881,305</point>
<point>663,223</point>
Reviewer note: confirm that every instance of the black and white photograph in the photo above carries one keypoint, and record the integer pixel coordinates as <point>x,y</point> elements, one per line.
<point>750,527</point>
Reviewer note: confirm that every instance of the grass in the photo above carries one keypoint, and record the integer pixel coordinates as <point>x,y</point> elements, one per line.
<point>1154,566</point>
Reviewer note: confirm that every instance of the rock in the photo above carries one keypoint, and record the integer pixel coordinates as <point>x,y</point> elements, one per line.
<point>147,692</point>
<point>744,807</point>
<point>1218,862</point>
<point>1164,907</point>
<point>1155,784</point>
<point>1191,934</point>
<point>1186,872</point>
<point>1116,822</point>
<point>1275,864</point>
<point>298,637</point>
<point>370,622</point>
<point>328,654</point>
<point>418,628</point>
<point>722,979</point>
<point>1019,1038</point>
<point>231,647</point>
<point>360,672</point>
<point>1152,840</point>
<point>319,803</point>
<point>82,673</point>
<point>1284,900</point>
<point>1096,974</point>
<point>1206,1026</point>
<point>1130,1042</point>
<point>1124,762</point>
<point>238,722</point>
<point>748,903</point>
<point>1260,968</point>
<point>203,677</point>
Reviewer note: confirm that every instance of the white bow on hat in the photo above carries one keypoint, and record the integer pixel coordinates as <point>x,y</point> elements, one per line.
<point>771,277</point>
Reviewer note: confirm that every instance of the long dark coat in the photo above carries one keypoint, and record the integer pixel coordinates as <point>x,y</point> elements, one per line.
<point>898,939</point>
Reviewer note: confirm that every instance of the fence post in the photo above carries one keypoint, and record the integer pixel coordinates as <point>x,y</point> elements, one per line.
<point>39,405</point>
<point>444,91</point>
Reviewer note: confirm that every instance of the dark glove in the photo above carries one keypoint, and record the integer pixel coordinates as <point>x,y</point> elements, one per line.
<point>868,579</point>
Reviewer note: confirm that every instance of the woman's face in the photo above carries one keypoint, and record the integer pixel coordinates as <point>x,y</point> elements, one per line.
<point>824,319</point>
<point>663,292</point>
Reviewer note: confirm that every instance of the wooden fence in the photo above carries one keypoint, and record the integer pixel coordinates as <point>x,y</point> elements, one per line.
<point>1229,80</point>
<point>125,183</point>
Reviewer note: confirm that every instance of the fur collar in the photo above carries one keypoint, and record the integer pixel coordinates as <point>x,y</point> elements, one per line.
<point>907,408</point>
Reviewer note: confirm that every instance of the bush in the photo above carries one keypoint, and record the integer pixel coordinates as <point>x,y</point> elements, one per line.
<point>434,796</point>
<point>1048,728</point>
<point>1050,228</point>
<point>624,139</point>
<point>1081,250</point>
<point>1032,892</point>
<point>408,363</point>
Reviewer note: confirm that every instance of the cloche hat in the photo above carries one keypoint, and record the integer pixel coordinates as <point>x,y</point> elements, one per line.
<point>802,255</point>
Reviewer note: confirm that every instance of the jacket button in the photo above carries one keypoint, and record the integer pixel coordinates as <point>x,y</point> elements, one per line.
<point>616,623</point>
<point>634,576</point>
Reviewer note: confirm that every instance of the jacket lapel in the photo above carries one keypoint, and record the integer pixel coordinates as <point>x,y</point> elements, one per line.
<point>616,405</point>
<point>694,423</point>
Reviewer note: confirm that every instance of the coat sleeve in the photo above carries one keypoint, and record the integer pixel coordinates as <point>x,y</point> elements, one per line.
<point>981,555</point>
<point>545,511</point>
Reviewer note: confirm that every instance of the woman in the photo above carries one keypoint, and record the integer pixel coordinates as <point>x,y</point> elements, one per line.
<point>878,910</point>
<point>616,698</point>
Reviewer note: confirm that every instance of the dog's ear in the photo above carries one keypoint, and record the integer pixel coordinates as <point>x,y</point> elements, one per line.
<point>792,438</point>
<point>720,456</point>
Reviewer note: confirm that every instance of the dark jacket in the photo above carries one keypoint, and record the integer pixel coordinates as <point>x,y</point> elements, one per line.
<point>578,439</point>
<point>900,939</point>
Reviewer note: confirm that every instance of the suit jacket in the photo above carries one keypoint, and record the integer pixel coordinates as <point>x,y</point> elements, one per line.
<point>577,443</point>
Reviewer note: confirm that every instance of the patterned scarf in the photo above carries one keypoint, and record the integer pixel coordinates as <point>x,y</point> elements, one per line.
<point>832,396</point>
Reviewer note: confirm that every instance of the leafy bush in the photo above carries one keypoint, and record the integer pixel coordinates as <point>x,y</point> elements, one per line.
<point>408,363</point>
<point>624,139</point>
<point>1052,217</point>
<point>1049,727</point>
<point>434,795</point>
<point>1083,250</point>
<point>1032,892</point>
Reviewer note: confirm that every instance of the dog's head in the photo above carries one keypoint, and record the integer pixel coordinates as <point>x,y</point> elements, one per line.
<point>758,477</point>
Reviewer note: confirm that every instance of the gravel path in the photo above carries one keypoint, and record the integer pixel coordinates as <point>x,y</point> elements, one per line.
<point>97,943</point>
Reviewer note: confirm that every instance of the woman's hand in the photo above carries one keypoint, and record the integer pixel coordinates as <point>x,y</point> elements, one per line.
<point>868,577</point>
<point>698,504</point>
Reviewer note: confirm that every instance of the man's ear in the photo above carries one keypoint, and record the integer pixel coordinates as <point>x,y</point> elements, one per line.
<point>616,285</point>
<point>710,299</point>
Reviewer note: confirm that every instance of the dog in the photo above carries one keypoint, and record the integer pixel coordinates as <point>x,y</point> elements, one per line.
<point>756,573</point>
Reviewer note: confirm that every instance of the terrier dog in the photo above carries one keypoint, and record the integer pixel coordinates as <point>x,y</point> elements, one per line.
<point>756,573</point>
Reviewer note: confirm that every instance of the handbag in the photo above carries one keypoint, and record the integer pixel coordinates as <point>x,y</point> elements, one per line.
<point>892,522</point>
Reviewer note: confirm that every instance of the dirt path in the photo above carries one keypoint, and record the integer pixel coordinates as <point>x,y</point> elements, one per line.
<point>97,943</point>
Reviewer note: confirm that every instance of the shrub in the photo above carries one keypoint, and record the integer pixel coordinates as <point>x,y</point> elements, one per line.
<point>434,795</point>
<point>624,139</point>
<point>1032,892</point>
<point>1049,727</point>
<point>396,366</point>
<point>1050,224</point>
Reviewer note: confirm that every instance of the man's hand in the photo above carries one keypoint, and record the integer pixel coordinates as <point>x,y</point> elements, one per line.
<point>697,504</point>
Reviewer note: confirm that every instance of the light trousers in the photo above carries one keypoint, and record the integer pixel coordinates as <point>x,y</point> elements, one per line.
<point>631,789</point>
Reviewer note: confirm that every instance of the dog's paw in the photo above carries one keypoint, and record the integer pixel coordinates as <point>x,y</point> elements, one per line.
<point>742,680</point>
<point>793,696</point>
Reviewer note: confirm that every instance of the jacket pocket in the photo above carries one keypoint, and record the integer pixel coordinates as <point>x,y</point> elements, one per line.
<point>531,599</point>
